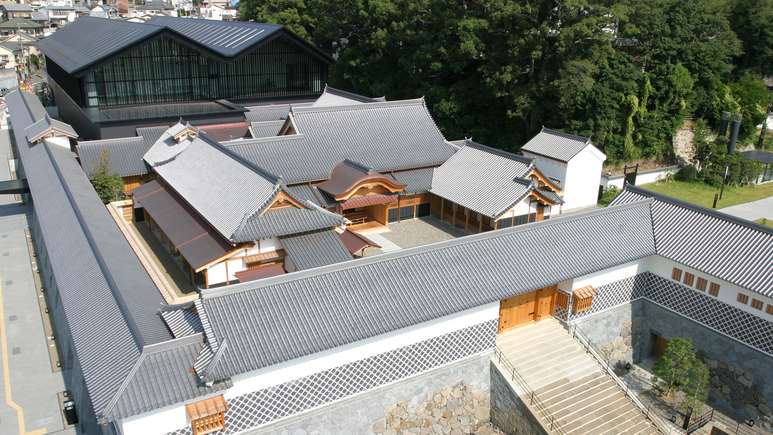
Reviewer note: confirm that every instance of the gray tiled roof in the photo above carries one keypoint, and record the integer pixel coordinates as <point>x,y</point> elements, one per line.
<point>315,249</point>
<point>181,320</point>
<point>166,148</point>
<point>389,136</point>
<point>483,179</point>
<point>550,195</point>
<point>362,298</point>
<point>125,153</point>
<point>415,180</point>
<point>274,112</point>
<point>47,125</point>
<point>284,221</point>
<point>336,97</point>
<point>161,377</point>
<point>219,185</point>
<point>266,128</point>
<point>99,278</point>
<point>730,248</point>
<point>556,144</point>
<point>313,194</point>
<point>16,7</point>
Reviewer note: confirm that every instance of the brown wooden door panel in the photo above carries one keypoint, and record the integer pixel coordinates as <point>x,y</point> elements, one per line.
<point>545,302</point>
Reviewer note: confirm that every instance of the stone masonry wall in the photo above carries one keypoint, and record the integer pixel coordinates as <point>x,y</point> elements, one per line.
<point>358,414</point>
<point>740,375</point>
<point>616,332</point>
<point>508,412</point>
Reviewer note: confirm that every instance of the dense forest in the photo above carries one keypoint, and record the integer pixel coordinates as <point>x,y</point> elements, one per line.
<point>624,72</point>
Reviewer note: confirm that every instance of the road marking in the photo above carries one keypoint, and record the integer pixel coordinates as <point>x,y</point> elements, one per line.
<point>7,374</point>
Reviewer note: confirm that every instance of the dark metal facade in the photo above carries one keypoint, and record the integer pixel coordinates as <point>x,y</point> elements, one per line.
<point>166,71</point>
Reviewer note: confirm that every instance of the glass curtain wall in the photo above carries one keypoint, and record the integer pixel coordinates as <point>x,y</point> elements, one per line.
<point>165,71</point>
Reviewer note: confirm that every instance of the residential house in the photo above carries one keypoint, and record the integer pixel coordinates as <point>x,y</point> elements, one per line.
<point>59,16</point>
<point>12,27</point>
<point>15,10</point>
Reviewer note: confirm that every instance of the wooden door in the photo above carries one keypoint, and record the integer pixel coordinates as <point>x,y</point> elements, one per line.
<point>545,302</point>
<point>517,310</point>
<point>660,346</point>
<point>540,215</point>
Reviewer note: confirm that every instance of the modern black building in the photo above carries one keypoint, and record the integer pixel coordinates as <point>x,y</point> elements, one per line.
<point>109,77</point>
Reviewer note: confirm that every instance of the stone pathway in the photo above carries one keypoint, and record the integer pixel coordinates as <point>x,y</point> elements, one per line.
<point>759,209</point>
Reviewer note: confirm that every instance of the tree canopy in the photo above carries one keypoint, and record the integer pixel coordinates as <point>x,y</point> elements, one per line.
<point>625,73</point>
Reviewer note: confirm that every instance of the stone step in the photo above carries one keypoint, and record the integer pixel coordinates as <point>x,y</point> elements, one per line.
<point>579,393</point>
<point>531,335</point>
<point>565,384</point>
<point>569,373</point>
<point>612,426</point>
<point>568,359</point>
<point>640,427</point>
<point>518,351</point>
<point>622,418</point>
<point>610,407</point>
<point>586,404</point>
<point>531,329</point>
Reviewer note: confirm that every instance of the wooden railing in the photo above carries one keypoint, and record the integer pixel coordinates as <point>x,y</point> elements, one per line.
<point>533,399</point>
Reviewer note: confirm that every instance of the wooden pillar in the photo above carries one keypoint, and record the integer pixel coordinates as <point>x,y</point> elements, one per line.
<point>150,221</point>
<point>398,210</point>
<point>227,280</point>
<point>193,276</point>
<point>466,221</point>
<point>206,278</point>
<point>161,233</point>
<point>453,211</point>
<point>442,207</point>
<point>169,242</point>
<point>480,223</point>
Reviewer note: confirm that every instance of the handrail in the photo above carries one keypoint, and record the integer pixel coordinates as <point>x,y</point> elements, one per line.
<point>533,399</point>
<point>705,418</point>
<point>588,345</point>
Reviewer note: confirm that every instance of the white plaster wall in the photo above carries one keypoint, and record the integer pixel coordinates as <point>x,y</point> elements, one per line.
<point>613,274</point>
<point>643,177</point>
<point>583,174</point>
<point>216,273</point>
<point>61,141</point>
<point>269,245</point>
<point>728,293</point>
<point>173,417</point>
<point>549,167</point>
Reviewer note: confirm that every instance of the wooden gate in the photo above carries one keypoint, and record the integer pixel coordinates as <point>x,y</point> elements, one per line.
<point>528,307</point>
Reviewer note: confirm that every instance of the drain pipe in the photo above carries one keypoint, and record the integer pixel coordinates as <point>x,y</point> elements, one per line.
<point>724,123</point>
<point>734,133</point>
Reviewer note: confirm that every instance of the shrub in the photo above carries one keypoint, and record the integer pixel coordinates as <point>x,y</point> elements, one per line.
<point>712,179</point>
<point>687,173</point>
<point>609,195</point>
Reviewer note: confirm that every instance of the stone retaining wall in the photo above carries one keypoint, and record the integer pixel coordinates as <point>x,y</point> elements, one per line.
<point>616,332</point>
<point>358,415</point>
<point>740,375</point>
<point>508,412</point>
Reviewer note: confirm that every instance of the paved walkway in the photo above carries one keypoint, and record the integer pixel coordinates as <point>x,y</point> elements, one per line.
<point>752,211</point>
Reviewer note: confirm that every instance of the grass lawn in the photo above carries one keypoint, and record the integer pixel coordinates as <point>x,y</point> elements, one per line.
<point>766,222</point>
<point>703,194</point>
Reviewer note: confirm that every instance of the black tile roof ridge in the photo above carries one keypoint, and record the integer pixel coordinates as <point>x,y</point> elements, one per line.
<point>250,286</point>
<point>350,95</point>
<point>258,140</point>
<point>517,200</point>
<point>584,139</point>
<point>359,166</point>
<point>261,123</point>
<point>174,343</point>
<point>470,143</point>
<point>699,208</point>
<point>175,307</point>
<point>369,106</point>
<point>116,140</point>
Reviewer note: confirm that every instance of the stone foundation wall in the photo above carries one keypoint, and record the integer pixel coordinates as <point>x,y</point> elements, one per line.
<point>358,415</point>
<point>616,332</point>
<point>740,375</point>
<point>508,412</point>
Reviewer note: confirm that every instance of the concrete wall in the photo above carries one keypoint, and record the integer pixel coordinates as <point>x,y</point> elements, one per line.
<point>508,412</point>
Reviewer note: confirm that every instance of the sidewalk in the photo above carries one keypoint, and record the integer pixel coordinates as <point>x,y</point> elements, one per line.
<point>759,209</point>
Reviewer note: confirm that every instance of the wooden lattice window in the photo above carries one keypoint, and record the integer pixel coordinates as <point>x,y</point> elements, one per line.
<point>714,289</point>
<point>208,415</point>
<point>676,274</point>
<point>757,304</point>
<point>742,298</point>
<point>769,309</point>
<point>562,300</point>
<point>701,284</point>
<point>688,278</point>
<point>583,299</point>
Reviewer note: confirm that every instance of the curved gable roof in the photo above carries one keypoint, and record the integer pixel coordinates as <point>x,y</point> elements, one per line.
<point>74,49</point>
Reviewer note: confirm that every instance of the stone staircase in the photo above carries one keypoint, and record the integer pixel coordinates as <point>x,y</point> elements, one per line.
<point>569,382</point>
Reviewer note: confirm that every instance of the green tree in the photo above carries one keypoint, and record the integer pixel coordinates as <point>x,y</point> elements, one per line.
<point>672,370</point>
<point>109,186</point>
<point>752,21</point>
<point>696,388</point>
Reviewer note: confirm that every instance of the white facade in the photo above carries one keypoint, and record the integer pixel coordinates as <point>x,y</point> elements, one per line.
<point>174,417</point>
<point>579,177</point>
